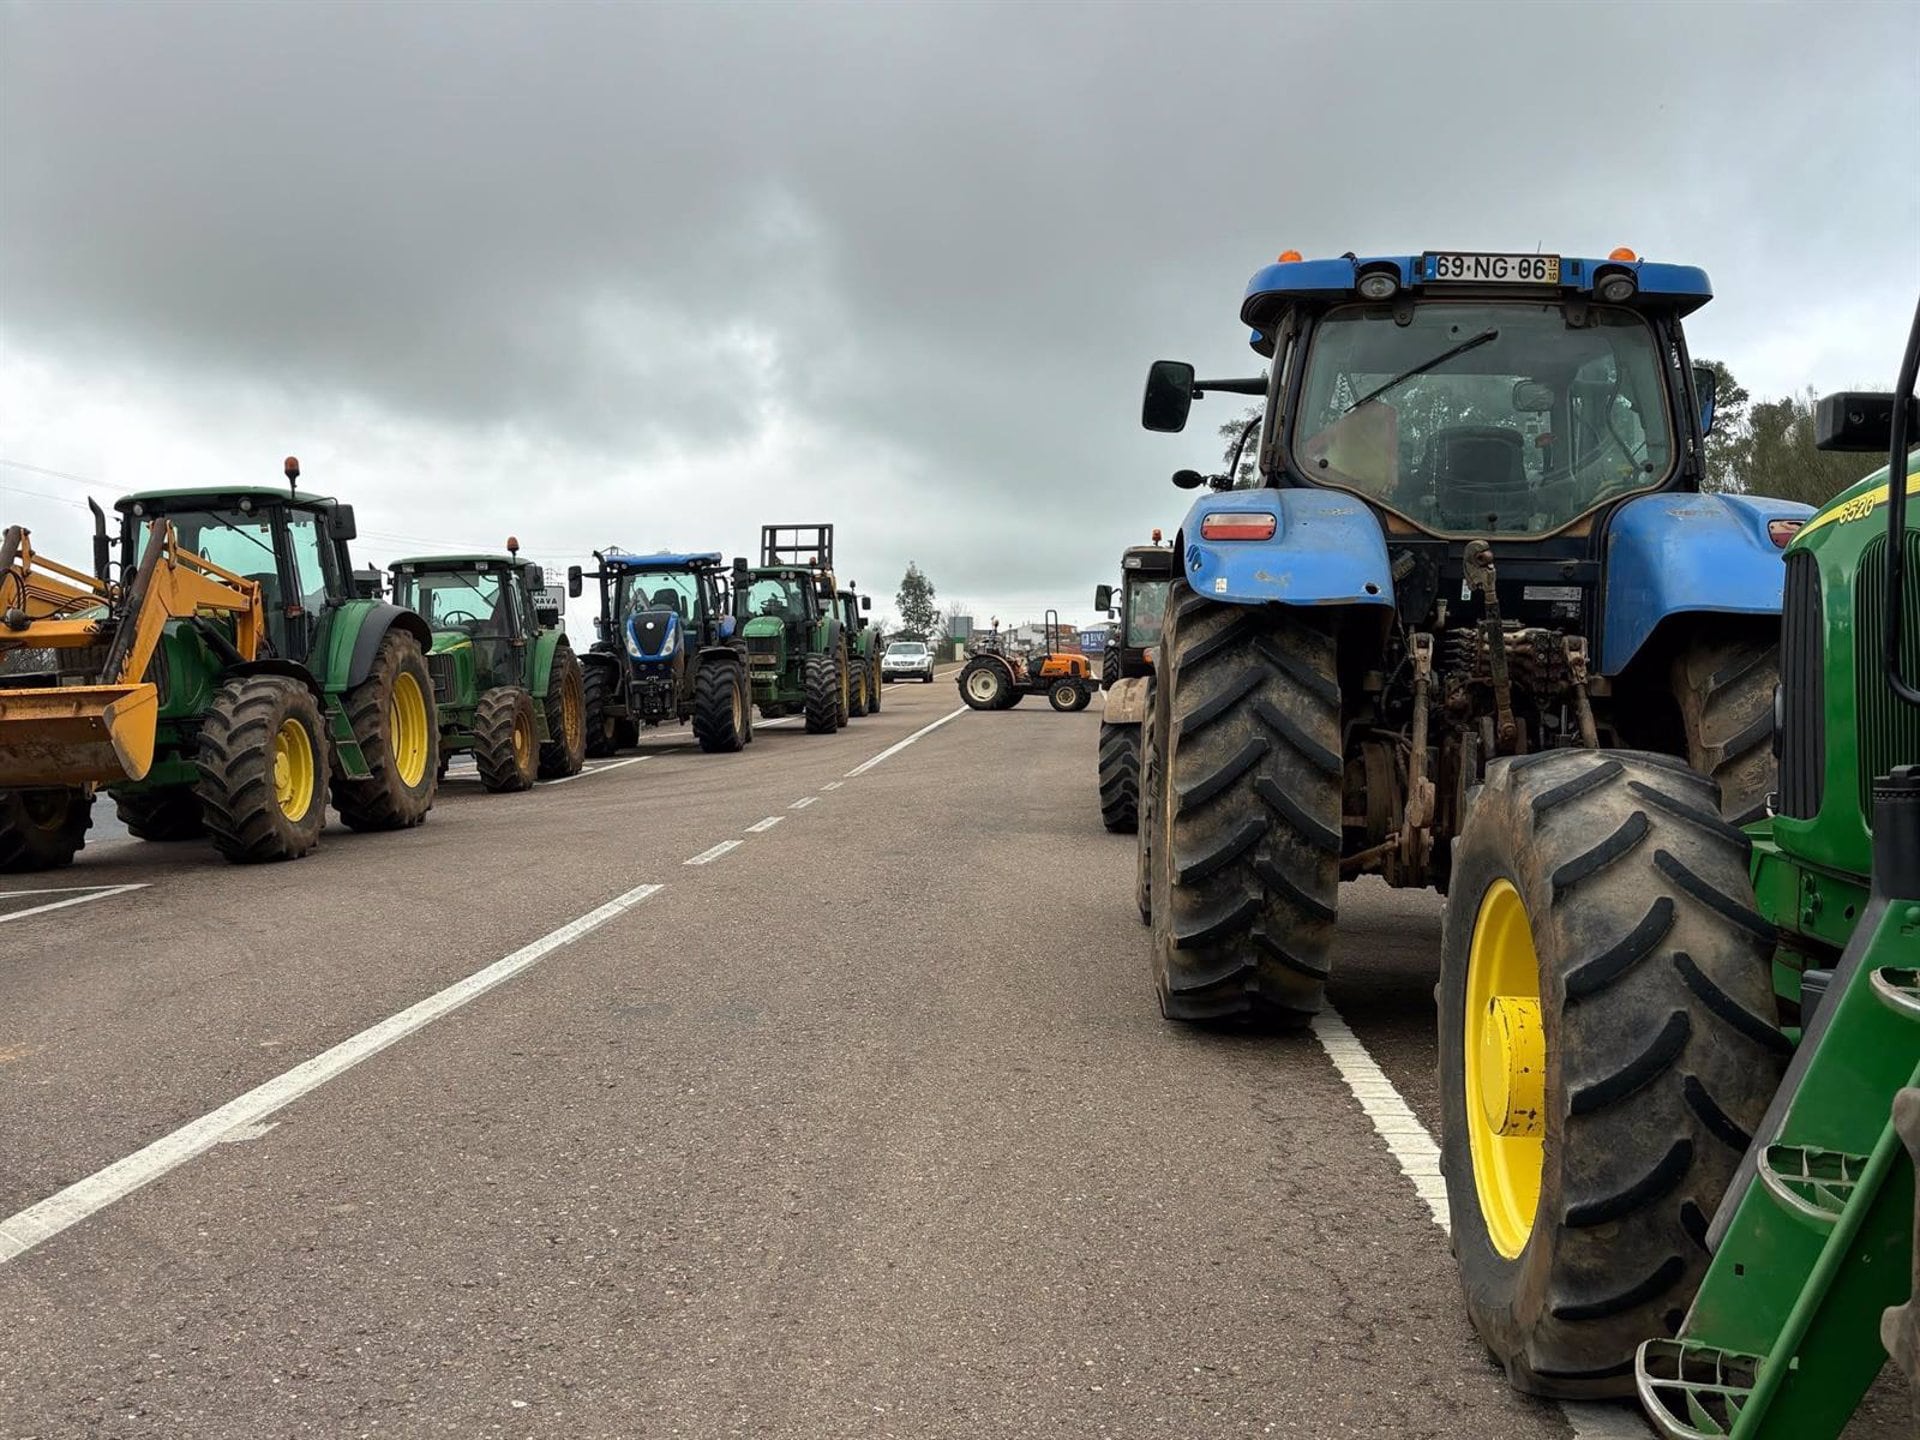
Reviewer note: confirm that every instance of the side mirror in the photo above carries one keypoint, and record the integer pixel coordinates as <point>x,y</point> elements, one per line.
<point>340,524</point>
<point>575,583</point>
<point>1103,597</point>
<point>1859,421</point>
<point>740,578</point>
<point>1706,386</point>
<point>866,602</point>
<point>1169,396</point>
<point>1189,479</point>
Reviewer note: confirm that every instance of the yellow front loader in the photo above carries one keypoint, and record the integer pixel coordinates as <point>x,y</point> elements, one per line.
<point>79,707</point>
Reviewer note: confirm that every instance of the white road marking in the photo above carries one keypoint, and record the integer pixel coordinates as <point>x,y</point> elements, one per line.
<point>598,769</point>
<point>803,802</point>
<point>783,720</point>
<point>707,857</point>
<point>76,895</point>
<point>1414,1151</point>
<point>765,825</point>
<point>41,1222</point>
<point>833,785</point>
<point>895,749</point>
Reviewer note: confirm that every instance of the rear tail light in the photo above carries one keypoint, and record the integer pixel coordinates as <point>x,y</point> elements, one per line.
<point>1783,531</point>
<point>1237,525</point>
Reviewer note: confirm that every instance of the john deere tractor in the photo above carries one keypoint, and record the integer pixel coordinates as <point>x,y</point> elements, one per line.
<point>669,651</point>
<point>507,686</point>
<point>211,680</point>
<point>1145,573</point>
<point>863,652</point>
<point>797,644</point>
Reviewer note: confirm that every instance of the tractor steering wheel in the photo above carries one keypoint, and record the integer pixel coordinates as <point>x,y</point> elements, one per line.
<point>454,617</point>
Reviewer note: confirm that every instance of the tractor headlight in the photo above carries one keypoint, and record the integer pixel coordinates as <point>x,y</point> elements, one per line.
<point>1617,288</point>
<point>1377,285</point>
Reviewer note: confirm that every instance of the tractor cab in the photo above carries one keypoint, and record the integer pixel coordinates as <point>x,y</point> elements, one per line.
<point>487,606</point>
<point>652,607</point>
<point>1141,597</point>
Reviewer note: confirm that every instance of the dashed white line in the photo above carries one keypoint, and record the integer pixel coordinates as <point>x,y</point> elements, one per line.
<point>41,1222</point>
<point>803,802</point>
<point>599,769</point>
<point>76,895</point>
<point>1418,1157</point>
<point>898,746</point>
<point>760,827</point>
<point>833,785</point>
<point>707,857</point>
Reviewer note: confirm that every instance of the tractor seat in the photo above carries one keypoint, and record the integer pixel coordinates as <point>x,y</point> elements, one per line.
<point>1478,470</point>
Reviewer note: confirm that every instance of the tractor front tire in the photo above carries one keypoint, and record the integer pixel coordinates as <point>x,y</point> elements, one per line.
<point>820,679</point>
<point>596,686</point>
<point>1725,693</point>
<point>721,708</point>
<point>42,829</point>
<point>844,685</point>
<point>1065,696</point>
<point>1607,1048</point>
<point>164,815</point>
<point>506,746</point>
<point>857,704</point>
<point>874,685</point>
<point>1246,846</point>
<point>566,714</point>
<point>262,759</point>
<point>392,715</point>
<point>1120,778</point>
<point>985,686</point>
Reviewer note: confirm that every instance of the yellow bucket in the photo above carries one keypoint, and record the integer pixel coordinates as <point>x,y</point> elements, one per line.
<point>77,734</point>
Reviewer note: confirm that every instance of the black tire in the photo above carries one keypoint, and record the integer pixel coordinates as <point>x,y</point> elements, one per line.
<point>1656,1003</point>
<point>506,746</point>
<point>1065,696</point>
<point>721,707</point>
<point>388,799</point>
<point>597,691</point>
<point>985,685</point>
<point>857,703</point>
<point>1109,664</point>
<point>565,704</point>
<point>1148,825</point>
<point>874,685</point>
<point>42,829</point>
<point>1246,846</point>
<point>1084,697</point>
<point>261,803</point>
<point>626,732</point>
<point>1725,693</point>
<point>843,691</point>
<point>162,816</point>
<point>1120,778</point>
<point>928,677</point>
<point>821,681</point>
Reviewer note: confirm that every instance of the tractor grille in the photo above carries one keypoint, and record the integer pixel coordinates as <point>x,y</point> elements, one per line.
<point>440,667</point>
<point>763,652</point>
<point>1802,733</point>
<point>1889,728</point>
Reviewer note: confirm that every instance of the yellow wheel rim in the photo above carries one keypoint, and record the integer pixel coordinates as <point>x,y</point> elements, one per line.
<point>293,770</point>
<point>522,740</point>
<point>407,728</point>
<point>573,710</point>
<point>1506,1068</point>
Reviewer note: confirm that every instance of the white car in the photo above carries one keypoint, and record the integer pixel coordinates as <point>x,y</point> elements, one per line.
<point>907,660</point>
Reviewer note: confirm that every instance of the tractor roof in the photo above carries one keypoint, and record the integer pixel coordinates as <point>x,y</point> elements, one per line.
<point>660,560</point>
<point>197,495</point>
<point>1677,289</point>
<point>456,562</point>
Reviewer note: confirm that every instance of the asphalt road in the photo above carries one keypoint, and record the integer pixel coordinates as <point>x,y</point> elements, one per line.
<point>863,1125</point>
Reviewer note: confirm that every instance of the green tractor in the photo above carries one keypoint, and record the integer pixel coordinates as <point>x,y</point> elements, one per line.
<point>1126,669</point>
<point>508,687</point>
<point>243,701</point>
<point>787,611</point>
<point>1679,1059</point>
<point>863,651</point>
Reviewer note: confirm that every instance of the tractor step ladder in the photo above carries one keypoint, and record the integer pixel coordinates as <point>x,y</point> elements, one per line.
<point>1784,1336</point>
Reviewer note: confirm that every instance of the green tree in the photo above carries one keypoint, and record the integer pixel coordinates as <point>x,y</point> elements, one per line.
<point>1249,453</point>
<point>919,618</point>
<point>1728,442</point>
<point>1781,460</point>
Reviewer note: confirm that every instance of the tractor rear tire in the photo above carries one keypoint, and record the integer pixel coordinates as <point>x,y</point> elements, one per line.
<point>42,829</point>
<point>162,816</point>
<point>857,705</point>
<point>566,713</point>
<point>1246,846</point>
<point>1725,693</point>
<point>985,685</point>
<point>1120,778</point>
<point>392,715</point>
<point>595,697</point>
<point>721,708</point>
<point>1148,824</point>
<point>262,757</point>
<point>819,678</point>
<point>844,691</point>
<point>506,745</point>
<point>1608,883</point>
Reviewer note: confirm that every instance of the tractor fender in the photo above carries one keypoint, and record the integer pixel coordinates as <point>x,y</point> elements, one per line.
<point>720,654</point>
<point>368,622</point>
<point>1327,549</point>
<point>286,669</point>
<point>541,661</point>
<point>1676,554</point>
<point>1127,702</point>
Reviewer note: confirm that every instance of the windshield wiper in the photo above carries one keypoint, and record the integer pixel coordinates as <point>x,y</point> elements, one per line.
<point>1423,367</point>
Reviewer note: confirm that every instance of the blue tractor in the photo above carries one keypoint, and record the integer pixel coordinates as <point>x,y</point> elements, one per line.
<point>667,650</point>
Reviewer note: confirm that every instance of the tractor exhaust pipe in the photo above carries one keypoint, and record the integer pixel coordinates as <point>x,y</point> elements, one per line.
<point>102,547</point>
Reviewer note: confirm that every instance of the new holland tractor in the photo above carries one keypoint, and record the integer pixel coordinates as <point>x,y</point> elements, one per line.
<point>1680,1061</point>
<point>796,643</point>
<point>863,651</point>
<point>507,687</point>
<point>997,678</point>
<point>669,651</point>
<point>212,680</point>
<point>1127,671</point>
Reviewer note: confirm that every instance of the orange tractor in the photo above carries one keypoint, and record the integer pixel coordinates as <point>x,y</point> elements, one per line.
<point>996,678</point>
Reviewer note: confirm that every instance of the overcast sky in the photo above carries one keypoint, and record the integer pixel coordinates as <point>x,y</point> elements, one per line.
<point>652,275</point>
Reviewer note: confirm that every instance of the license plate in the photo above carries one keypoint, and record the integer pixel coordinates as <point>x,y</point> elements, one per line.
<point>1468,268</point>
